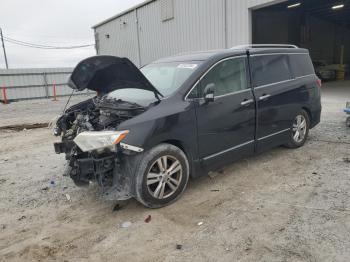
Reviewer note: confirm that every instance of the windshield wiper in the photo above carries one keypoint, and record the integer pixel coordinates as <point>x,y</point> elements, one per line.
<point>157,93</point>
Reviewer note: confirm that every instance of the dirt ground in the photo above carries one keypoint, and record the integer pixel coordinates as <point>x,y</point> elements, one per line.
<point>283,205</point>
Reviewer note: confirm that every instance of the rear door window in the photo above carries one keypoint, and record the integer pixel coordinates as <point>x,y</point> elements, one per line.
<point>269,69</point>
<point>301,65</point>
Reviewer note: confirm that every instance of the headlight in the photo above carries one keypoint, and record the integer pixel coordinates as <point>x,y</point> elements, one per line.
<point>93,140</point>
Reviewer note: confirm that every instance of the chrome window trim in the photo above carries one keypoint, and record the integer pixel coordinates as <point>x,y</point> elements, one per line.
<point>206,72</point>
<point>241,91</point>
<point>228,150</point>
<point>273,134</point>
<point>232,93</point>
<point>275,83</point>
<point>284,81</point>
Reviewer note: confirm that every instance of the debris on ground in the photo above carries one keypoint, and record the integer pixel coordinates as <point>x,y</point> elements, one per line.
<point>100,239</point>
<point>117,207</point>
<point>249,243</point>
<point>281,229</point>
<point>21,218</point>
<point>24,127</point>
<point>178,246</point>
<point>126,224</point>
<point>45,188</point>
<point>148,219</point>
<point>215,190</point>
<point>213,174</point>
<point>200,223</point>
<point>68,197</point>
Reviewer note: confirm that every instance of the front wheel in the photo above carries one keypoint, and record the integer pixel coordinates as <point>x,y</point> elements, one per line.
<point>162,176</point>
<point>299,130</point>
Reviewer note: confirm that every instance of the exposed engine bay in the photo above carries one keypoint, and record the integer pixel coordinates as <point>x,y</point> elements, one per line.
<point>96,114</point>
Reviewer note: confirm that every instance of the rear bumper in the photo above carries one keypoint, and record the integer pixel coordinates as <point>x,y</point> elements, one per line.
<point>315,118</point>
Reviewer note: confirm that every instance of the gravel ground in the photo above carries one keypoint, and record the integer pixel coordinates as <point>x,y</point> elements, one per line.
<point>35,111</point>
<point>282,205</point>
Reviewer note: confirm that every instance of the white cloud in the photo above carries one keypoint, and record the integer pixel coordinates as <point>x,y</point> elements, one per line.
<point>53,22</point>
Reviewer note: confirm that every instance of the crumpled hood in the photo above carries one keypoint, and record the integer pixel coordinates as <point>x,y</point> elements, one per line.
<point>105,74</point>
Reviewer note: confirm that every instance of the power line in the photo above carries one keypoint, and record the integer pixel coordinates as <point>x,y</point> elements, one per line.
<point>39,46</point>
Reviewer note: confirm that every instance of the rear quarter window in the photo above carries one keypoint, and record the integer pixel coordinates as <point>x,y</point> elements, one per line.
<point>301,65</point>
<point>269,69</point>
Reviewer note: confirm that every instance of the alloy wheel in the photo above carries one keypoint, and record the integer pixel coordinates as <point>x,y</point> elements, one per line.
<point>164,177</point>
<point>299,128</point>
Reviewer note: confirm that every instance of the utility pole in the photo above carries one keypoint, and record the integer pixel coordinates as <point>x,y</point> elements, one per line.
<point>3,47</point>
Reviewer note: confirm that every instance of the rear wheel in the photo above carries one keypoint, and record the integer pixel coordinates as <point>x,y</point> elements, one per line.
<point>162,176</point>
<point>299,130</point>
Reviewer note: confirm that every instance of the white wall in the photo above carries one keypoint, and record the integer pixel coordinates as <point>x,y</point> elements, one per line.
<point>197,25</point>
<point>122,39</point>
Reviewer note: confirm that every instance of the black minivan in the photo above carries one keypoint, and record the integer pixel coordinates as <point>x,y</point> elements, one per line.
<point>147,131</point>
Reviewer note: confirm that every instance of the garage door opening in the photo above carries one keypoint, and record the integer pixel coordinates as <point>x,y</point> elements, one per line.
<point>322,26</point>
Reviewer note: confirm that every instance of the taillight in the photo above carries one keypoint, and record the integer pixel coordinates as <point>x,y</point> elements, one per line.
<point>319,82</point>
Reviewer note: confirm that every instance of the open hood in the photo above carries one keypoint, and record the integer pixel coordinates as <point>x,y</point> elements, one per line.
<point>105,74</point>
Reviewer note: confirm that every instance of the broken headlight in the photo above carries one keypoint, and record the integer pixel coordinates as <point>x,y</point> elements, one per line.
<point>94,140</point>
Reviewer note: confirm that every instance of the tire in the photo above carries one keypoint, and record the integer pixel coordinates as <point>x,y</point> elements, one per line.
<point>297,141</point>
<point>156,188</point>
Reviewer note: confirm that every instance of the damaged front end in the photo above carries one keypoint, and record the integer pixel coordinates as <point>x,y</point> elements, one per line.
<point>93,146</point>
<point>90,138</point>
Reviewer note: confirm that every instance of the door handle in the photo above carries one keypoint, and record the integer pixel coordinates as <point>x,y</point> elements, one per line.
<point>247,102</point>
<point>263,97</point>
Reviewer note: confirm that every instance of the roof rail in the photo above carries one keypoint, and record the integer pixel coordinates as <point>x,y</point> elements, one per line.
<point>263,46</point>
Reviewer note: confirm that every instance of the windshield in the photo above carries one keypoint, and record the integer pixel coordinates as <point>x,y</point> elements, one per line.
<point>168,77</point>
<point>165,77</point>
<point>138,96</point>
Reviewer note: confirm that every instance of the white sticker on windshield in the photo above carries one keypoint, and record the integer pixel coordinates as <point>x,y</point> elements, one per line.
<point>187,66</point>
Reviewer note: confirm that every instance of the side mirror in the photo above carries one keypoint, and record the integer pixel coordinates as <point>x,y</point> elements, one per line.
<point>209,93</point>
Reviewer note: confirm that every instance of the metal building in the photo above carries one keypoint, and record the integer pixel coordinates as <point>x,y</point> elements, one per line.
<point>159,28</point>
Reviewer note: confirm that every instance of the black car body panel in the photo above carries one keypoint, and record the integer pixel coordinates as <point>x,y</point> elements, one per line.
<point>211,134</point>
<point>105,74</point>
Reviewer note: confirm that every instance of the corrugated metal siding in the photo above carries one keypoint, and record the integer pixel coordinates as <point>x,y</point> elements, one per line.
<point>197,25</point>
<point>122,39</point>
<point>34,83</point>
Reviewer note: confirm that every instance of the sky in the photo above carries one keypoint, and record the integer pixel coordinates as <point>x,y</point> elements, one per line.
<point>53,22</point>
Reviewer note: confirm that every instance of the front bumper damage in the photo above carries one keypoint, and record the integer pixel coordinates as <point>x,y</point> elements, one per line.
<point>111,170</point>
